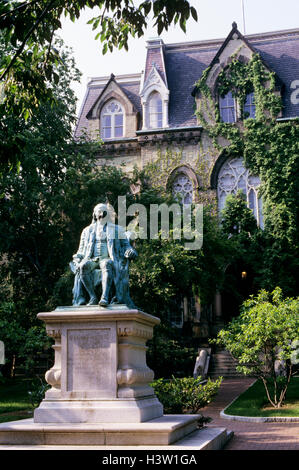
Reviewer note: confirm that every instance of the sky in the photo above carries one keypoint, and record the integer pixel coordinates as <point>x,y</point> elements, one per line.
<point>215,18</point>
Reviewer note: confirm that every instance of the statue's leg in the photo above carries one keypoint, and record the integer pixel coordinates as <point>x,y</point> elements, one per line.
<point>78,295</point>
<point>106,266</point>
<point>86,275</point>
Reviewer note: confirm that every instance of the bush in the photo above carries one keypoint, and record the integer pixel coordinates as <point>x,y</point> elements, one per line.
<point>37,390</point>
<point>264,339</point>
<point>185,395</point>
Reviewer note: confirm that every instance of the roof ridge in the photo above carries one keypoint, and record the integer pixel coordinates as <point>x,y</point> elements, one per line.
<point>215,41</point>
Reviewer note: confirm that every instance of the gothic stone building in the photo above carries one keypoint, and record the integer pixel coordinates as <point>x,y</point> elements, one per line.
<point>147,116</point>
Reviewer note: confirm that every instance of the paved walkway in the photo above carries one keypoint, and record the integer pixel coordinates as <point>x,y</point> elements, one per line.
<point>250,436</point>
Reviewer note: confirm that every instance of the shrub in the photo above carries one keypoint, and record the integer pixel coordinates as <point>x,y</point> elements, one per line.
<point>263,337</point>
<point>185,395</point>
<point>37,390</point>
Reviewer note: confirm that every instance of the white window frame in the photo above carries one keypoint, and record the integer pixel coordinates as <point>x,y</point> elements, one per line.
<point>155,110</point>
<point>222,107</point>
<point>105,112</point>
<point>250,105</point>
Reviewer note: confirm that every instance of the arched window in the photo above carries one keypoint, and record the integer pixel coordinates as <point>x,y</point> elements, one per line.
<point>155,110</point>
<point>227,108</point>
<point>112,120</point>
<point>182,186</point>
<point>249,106</point>
<point>234,176</point>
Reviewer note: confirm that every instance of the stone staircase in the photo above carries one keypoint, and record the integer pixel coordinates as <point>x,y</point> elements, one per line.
<point>223,364</point>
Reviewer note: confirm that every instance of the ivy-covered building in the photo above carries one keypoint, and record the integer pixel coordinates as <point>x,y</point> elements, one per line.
<point>188,112</point>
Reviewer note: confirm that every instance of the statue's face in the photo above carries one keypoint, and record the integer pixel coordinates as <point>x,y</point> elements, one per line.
<point>100,211</point>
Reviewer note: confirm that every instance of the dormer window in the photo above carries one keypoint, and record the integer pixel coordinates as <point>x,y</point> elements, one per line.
<point>112,120</point>
<point>249,106</point>
<point>154,98</point>
<point>227,108</point>
<point>155,110</point>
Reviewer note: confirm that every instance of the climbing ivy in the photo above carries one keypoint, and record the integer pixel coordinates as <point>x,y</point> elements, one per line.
<point>270,150</point>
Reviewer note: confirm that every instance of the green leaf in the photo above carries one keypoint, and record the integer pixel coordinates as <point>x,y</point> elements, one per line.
<point>194,13</point>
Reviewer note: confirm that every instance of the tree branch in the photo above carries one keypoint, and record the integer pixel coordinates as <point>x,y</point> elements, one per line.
<point>3,15</point>
<point>21,48</point>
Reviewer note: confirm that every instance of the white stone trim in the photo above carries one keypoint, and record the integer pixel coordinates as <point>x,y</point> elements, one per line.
<point>154,83</point>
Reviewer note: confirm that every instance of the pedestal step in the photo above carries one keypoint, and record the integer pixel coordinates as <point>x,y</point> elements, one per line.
<point>160,431</point>
<point>95,411</point>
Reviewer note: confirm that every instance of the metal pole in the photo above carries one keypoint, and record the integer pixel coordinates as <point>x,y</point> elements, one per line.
<point>243,15</point>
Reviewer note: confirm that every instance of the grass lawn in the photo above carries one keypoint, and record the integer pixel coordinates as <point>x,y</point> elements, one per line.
<point>254,402</point>
<point>14,400</point>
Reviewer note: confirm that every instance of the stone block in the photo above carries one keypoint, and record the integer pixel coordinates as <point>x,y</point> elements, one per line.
<point>100,372</point>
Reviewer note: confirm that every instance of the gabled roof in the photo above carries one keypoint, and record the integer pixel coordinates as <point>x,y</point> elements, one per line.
<point>235,34</point>
<point>129,84</point>
<point>185,62</point>
<point>111,79</point>
<point>153,80</point>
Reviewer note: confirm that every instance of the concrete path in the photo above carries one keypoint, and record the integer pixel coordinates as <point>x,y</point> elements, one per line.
<point>250,436</point>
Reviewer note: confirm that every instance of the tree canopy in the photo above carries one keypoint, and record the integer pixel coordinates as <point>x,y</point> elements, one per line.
<point>30,60</point>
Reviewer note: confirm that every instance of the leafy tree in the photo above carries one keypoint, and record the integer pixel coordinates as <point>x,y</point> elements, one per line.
<point>169,354</point>
<point>270,150</point>
<point>247,242</point>
<point>43,208</point>
<point>167,271</point>
<point>266,331</point>
<point>30,65</point>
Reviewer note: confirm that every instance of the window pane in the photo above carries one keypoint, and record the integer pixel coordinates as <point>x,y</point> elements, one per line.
<point>118,119</point>
<point>118,131</point>
<point>159,105</point>
<point>227,108</point>
<point>249,106</point>
<point>155,110</point>
<point>159,120</point>
<point>112,119</point>
<point>260,209</point>
<point>106,132</point>
<point>231,115</point>
<point>106,121</point>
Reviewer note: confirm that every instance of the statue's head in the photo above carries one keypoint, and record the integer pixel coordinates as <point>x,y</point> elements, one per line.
<point>100,211</point>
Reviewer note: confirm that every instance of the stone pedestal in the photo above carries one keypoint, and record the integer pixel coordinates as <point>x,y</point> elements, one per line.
<point>100,393</point>
<point>100,373</point>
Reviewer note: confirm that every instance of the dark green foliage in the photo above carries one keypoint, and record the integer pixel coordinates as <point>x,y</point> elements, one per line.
<point>237,219</point>
<point>271,151</point>
<point>247,249</point>
<point>169,353</point>
<point>166,270</point>
<point>14,395</point>
<point>185,395</point>
<point>31,62</point>
<point>37,389</point>
<point>264,333</point>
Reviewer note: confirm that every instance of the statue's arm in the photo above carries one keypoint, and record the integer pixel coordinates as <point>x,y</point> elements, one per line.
<point>128,250</point>
<point>77,257</point>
